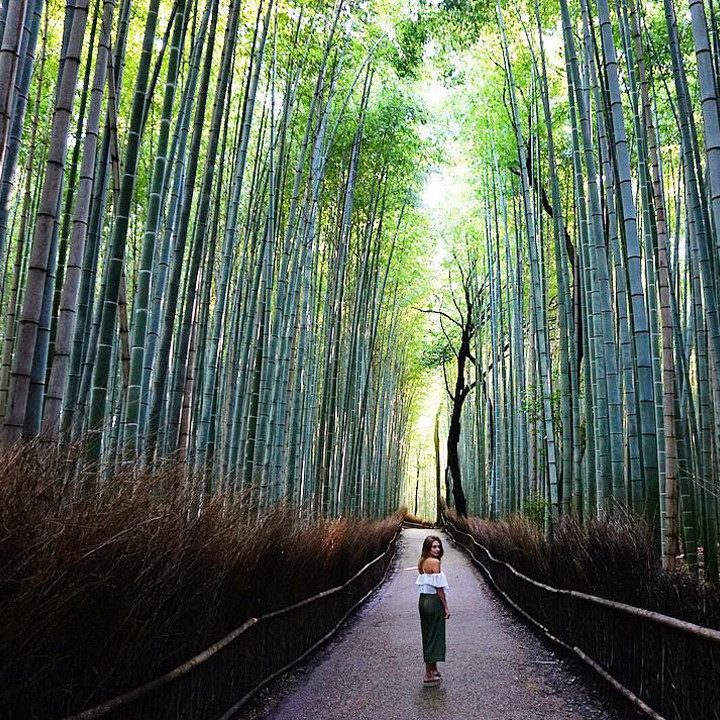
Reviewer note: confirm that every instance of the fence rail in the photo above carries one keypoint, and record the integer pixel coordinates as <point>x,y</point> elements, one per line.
<point>216,683</point>
<point>670,669</point>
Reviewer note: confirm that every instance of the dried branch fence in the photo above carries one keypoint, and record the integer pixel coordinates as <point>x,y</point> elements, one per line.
<point>668,668</point>
<point>216,683</point>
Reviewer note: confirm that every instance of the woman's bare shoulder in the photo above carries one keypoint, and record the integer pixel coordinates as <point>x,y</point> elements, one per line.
<point>431,565</point>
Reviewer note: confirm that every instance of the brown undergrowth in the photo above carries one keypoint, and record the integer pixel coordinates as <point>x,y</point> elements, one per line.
<point>103,591</point>
<point>612,558</point>
<point>415,519</point>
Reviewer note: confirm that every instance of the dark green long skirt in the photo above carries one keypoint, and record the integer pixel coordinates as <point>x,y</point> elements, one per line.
<point>432,624</point>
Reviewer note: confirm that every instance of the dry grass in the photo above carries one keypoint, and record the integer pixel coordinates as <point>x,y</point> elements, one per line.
<point>613,558</point>
<point>407,516</point>
<point>104,591</point>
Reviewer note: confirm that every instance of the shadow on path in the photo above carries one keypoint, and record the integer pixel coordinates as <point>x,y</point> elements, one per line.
<point>495,670</point>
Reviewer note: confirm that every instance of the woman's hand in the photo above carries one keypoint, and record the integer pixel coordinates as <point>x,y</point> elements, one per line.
<point>443,600</point>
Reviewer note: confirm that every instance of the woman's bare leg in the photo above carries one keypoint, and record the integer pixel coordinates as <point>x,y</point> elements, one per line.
<point>431,671</point>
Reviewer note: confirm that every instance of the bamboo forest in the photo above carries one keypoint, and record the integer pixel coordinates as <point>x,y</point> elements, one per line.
<point>284,281</point>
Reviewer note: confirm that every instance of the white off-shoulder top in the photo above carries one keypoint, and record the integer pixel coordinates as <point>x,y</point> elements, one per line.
<point>429,582</point>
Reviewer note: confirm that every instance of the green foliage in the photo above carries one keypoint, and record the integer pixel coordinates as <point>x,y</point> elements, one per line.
<point>535,509</point>
<point>533,407</point>
<point>436,348</point>
<point>411,36</point>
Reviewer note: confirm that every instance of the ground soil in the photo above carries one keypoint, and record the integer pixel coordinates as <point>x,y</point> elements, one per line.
<point>496,669</point>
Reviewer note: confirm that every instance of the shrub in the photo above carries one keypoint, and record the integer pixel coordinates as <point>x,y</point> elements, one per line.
<point>104,591</point>
<point>534,509</point>
<point>612,558</point>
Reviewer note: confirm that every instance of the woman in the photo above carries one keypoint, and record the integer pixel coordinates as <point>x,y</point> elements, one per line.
<point>433,605</point>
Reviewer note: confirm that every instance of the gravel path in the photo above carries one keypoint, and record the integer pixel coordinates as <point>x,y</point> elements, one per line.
<point>495,670</point>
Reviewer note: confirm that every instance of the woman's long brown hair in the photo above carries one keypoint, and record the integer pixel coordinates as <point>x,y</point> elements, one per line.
<point>425,554</point>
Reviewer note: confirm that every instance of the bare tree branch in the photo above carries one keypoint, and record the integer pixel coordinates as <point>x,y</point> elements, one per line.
<point>466,390</point>
<point>447,337</point>
<point>452,295</point>
<point>441,313</point>
<point>447,386</point>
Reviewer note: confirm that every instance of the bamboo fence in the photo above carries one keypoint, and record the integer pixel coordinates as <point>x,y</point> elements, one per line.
<point>218,682</point>
<point>668,668</point>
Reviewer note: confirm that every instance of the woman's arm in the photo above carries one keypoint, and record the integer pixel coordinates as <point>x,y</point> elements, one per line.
<point>443,600</point>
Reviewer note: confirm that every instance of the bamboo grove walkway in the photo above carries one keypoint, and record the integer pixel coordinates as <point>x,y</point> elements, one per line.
<point>496,669</point>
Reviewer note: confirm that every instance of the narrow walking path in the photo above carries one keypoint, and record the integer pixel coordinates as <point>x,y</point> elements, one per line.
<point>495,670</point>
